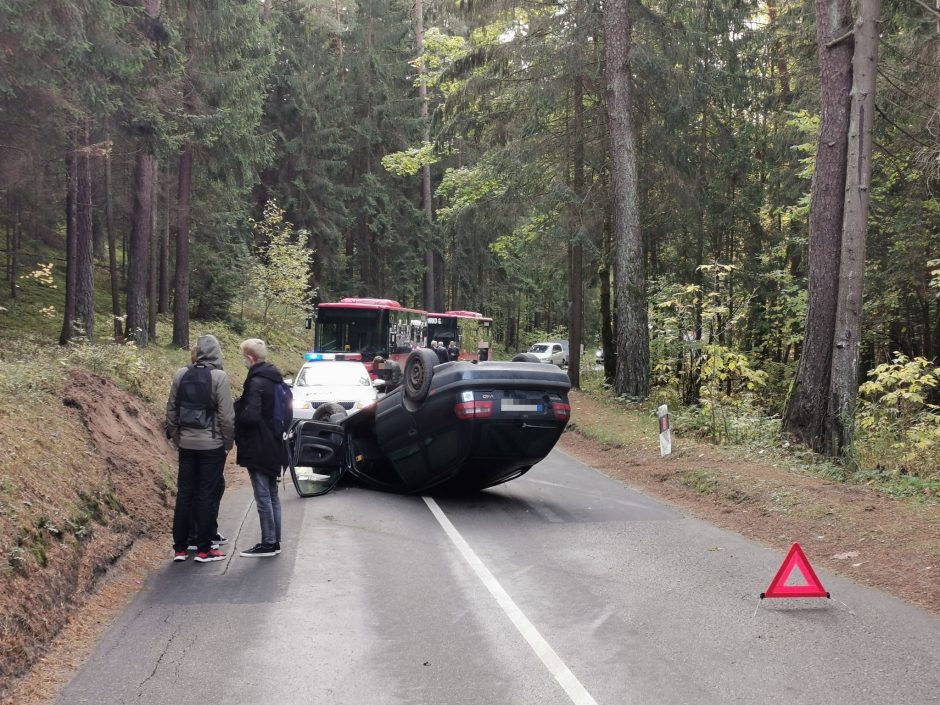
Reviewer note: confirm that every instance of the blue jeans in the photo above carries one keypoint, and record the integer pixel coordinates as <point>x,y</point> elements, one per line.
<point>199,487</point>
<point>269,505</point>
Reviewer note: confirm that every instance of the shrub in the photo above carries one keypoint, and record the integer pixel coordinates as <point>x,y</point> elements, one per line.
<point>897,428</point>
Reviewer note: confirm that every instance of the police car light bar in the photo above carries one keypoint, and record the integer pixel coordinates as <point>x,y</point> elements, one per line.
<point>322,357</point>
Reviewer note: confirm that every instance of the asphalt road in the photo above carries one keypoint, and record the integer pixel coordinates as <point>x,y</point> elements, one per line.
<point>560,587</point>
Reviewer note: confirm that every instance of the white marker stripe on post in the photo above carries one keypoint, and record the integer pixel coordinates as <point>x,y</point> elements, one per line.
<point>560,672</point>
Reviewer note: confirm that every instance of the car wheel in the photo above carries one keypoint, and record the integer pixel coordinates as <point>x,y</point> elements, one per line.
<point>525,357</point>
<point>326,412</point>
<point>419,368</point>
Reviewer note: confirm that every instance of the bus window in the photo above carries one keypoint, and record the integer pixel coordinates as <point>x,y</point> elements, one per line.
<point>350,330</point>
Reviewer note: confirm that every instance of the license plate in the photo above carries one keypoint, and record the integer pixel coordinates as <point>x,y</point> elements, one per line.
<point>513,405</point>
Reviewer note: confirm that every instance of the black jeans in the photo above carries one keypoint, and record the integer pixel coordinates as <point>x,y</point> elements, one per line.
<point>199,486</point>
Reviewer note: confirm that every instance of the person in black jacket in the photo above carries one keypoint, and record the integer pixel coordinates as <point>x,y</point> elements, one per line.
<point>440,351</point>
<point>453,352</point>
<point>258,449</point>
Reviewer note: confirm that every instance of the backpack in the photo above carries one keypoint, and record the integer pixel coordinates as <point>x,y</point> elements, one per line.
<point>194,398</point>
<point>283,409</point>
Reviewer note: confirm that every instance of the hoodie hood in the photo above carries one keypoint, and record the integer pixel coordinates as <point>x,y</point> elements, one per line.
<point>266,370</point>
<point>208,352</point>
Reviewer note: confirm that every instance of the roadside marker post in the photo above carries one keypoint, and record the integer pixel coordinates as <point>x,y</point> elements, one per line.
<point>665,434</point>
<point>795,559</point>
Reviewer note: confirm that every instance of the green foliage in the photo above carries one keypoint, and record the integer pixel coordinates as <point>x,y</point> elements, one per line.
<point>410,161</point>
<point>122,363</point>
<point>899,429</point>
<point>279,273</point>
<point>700,481</point>
<point>728,379</point>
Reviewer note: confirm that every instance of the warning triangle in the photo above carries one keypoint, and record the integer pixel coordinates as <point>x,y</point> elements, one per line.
<point>795,559</point>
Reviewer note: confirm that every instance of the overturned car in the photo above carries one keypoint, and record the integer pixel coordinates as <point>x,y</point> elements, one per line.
<point>456,426</point>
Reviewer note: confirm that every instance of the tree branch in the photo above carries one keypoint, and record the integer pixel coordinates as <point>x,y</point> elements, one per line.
<point>839,40</point>
<point>932,10</point>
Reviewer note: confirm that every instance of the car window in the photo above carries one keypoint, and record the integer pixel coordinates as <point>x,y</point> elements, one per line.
<point>325,374</point>
<point>557,348</point>
<point>539,348</point>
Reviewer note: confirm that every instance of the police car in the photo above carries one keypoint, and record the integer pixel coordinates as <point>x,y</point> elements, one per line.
<point>332,379</point>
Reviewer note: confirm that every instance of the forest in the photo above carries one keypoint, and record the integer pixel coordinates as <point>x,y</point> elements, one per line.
<point>736,200</point>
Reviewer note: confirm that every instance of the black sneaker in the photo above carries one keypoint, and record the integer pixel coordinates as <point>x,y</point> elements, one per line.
<point>219,540</point>
<point>262,549</point>
<point>277,547</point>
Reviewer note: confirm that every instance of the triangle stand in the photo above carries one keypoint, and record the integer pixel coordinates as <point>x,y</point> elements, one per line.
<point>795,559</point>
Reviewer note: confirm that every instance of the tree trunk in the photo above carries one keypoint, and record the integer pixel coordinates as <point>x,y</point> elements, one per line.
<point>607,315</point>
<point>181,280</point>
<point>84,246</point>
<point>430,299</point>
<point>848,327</point>
<point>71,197</point>
<point>13,253</point>
<point>112,250</point>
<point>575,280</point>
<point>138,255</point>
<point>154,250</point>
<point>164,303</point>
<point>806,411</point>
<point>632,331</point>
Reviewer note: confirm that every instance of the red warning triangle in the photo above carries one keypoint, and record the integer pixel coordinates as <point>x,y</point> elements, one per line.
<point>795,559</point>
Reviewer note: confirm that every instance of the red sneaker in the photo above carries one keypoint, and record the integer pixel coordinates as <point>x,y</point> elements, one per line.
<point>179,555</point>
<point>213,554</point>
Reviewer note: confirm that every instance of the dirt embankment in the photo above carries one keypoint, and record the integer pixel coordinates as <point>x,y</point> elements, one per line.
<point>81,483</point>
<point>888,543</point>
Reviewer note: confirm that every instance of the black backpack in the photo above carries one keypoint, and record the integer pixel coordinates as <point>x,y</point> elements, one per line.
<point>194,398</point>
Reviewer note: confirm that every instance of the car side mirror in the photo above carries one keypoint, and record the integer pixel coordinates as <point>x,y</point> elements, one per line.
<point>289,381</point>
<point>379,384</point>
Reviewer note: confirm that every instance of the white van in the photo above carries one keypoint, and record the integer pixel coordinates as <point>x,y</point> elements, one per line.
<point>554,352</point>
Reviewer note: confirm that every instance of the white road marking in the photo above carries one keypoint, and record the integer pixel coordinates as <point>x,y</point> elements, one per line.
<point>559,671</point>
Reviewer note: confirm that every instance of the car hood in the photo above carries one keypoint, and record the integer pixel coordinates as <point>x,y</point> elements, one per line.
<point>351,393</point>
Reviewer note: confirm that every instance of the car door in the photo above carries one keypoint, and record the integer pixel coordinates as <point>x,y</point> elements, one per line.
<point>319,456</point>
<point>557,355</point>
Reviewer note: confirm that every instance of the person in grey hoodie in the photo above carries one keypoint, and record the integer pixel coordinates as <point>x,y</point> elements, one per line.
<point>202,445</point>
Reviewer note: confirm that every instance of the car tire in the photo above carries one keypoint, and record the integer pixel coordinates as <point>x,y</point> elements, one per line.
<point>525,357</point>
<point>326,412</point>
<point>419,368</point>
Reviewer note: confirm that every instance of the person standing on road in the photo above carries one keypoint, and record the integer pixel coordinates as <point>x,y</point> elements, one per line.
<point>260,446</point>
<point>453,352</point>
<point>439,351</point>
<point>218,539</point>
<point>200,422</point>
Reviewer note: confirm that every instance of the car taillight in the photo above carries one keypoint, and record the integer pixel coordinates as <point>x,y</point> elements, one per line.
<point>474,410</point>
<point>561,410</point>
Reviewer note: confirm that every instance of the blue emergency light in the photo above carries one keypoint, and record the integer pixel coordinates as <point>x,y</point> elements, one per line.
<point>320,357</point>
